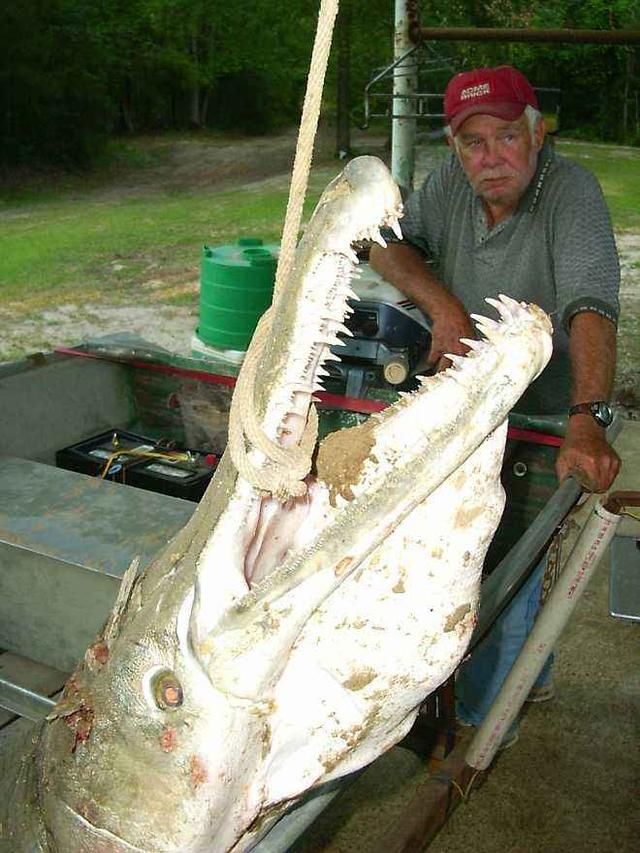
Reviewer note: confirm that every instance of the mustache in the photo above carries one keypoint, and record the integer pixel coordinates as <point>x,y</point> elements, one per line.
<point>495,174</point>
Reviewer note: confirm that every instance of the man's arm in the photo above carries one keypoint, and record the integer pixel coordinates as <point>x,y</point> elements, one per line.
<point>405,268</point>
<point>585,452</point>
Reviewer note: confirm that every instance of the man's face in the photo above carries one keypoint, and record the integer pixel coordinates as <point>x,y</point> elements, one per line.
<point>499,157</point>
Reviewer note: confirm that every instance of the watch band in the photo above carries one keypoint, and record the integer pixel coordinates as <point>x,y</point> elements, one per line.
<point>582,408</point>
<point>599,410</point>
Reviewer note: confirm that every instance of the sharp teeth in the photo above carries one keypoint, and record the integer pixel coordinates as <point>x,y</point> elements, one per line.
<point>344,330</point>
<point>351,255</point>
<point>515,306</point>
<point>456,360</point>
<point>395,227</point>
<point>485,321</point>
<point>329,356</point>
<point>502,309</point>
<point>472,343</point>
<point>377,237</point>
<point>331,340</point>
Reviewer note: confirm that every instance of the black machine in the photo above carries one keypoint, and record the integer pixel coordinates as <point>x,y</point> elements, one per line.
<point>136,460</point>
<point>390,338</point>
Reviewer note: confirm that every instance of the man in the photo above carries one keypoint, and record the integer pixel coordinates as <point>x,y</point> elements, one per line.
<point>505,214</point>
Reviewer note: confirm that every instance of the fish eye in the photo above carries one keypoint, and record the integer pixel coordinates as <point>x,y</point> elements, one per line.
<point>167,690</point>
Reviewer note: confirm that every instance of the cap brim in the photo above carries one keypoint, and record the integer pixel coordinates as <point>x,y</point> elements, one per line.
<point>505,110</point>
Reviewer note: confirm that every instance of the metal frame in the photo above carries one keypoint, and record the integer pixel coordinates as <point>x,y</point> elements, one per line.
<point>391,72</point>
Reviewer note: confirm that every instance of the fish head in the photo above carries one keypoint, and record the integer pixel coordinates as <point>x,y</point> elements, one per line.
<point>161,740</point>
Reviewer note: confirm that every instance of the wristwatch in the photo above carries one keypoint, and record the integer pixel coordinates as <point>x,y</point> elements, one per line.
<point>599,410</point>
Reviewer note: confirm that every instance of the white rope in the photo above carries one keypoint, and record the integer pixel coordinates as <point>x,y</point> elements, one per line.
<point>306,137</point>
<point>285,468</point>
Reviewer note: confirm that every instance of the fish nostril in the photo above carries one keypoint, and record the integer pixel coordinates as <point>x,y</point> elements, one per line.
<point>167,691</point>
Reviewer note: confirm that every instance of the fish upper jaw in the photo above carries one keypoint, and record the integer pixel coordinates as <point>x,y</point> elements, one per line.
<point>310,310</point>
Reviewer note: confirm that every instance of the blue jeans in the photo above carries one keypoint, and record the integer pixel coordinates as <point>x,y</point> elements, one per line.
<point>480,678</point>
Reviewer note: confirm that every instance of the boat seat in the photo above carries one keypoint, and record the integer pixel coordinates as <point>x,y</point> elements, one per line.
<point>65,541</point>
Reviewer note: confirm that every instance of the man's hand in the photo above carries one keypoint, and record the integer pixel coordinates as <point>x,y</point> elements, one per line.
<point>448,326</point>
<point>587,455</point>
<point>405,267</point>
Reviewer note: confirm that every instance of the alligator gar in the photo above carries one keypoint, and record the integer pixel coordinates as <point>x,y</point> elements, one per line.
<point>288,634</point>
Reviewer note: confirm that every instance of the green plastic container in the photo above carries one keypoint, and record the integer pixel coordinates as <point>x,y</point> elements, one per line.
<point>236,287</point>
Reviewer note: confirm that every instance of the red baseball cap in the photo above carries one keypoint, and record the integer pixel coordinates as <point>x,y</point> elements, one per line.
<point>503,92</point>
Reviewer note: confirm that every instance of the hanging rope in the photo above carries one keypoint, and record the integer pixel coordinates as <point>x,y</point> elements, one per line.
<point>306,138</point>
<point>285,468</point>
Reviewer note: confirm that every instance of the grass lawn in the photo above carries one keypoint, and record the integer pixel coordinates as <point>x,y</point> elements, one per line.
<point>73,243</point>
<point>618,170</point>
<point>75,247</point>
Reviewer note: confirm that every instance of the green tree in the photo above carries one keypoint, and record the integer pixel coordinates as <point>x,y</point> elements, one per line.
<point>53,88</point>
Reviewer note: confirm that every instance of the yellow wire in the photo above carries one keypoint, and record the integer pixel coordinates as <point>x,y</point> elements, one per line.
<point>172,455</point>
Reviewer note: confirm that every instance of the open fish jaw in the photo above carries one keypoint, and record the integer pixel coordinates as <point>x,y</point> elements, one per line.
<point>414,445</point>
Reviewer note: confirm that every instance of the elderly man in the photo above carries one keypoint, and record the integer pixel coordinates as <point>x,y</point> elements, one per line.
<point>505,214</point>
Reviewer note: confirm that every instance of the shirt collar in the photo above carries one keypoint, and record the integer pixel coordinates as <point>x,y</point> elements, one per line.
<point>531,197</point>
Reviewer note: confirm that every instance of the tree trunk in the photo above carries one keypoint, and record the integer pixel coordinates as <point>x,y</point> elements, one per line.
<point>126,105</point>
<point>626,94</point>
<point>194,105</point>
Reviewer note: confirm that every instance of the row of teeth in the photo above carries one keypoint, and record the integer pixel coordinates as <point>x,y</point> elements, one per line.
<point>331,326</point>
<point>375,236</point>
<point>507,308</point>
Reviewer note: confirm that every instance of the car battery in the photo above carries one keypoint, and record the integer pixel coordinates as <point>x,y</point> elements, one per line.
<point>136,460</point>
<point>185,474</point>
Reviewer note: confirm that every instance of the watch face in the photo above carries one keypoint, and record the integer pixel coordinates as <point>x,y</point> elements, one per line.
<point>602,413</point>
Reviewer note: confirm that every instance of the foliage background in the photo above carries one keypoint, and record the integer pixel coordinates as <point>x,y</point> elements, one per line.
<point>76,72</point>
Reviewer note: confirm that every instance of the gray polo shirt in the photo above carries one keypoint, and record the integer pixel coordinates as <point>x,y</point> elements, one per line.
<point>557,250</point>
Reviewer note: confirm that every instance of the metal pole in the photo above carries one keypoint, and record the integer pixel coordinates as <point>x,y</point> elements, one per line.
<point>405,84</point>
<point>512,571</point>
<point>562,36</point>
<point>581,564</point>
<point>24,702</point>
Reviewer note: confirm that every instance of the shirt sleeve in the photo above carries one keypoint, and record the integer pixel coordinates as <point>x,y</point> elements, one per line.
<point>585,258</point>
